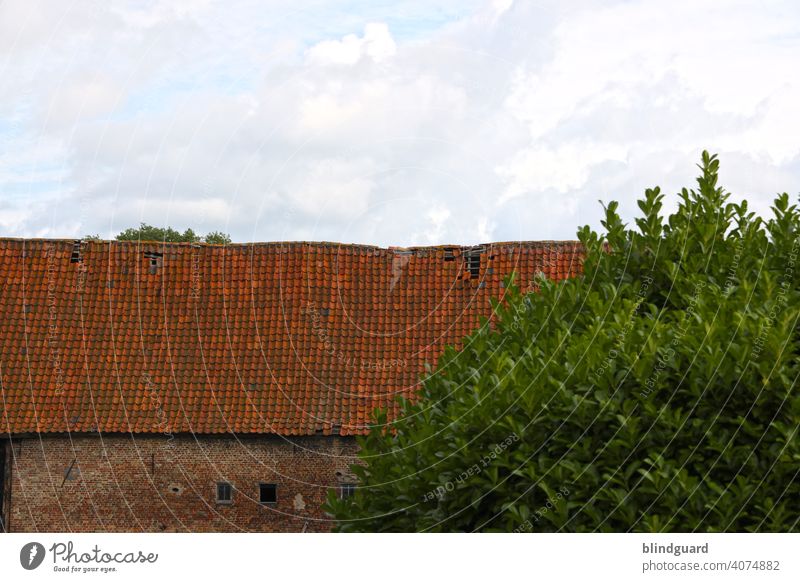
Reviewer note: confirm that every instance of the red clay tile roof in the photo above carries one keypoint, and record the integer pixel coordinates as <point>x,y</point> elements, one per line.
<point>285,338</point>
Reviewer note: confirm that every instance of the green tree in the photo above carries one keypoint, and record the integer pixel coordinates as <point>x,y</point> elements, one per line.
<point>655,393</point>
<point>169,234</point>
<point>217,238</point>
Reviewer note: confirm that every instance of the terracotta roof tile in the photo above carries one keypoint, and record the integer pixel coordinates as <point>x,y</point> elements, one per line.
<point>287,338</point>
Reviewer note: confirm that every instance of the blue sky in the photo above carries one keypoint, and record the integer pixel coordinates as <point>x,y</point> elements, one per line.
<point>390,123</point>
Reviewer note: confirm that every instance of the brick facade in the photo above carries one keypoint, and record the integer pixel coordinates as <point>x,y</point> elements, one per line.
<point>119,483</point>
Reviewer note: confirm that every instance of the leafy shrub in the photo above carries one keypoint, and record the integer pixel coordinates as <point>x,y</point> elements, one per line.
<point>655,393</point>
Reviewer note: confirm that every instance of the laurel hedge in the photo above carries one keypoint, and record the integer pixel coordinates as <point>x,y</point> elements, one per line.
<point>657,393</point>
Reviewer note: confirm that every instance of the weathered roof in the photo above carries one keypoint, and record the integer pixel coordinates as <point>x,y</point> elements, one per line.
<point>287,338</point>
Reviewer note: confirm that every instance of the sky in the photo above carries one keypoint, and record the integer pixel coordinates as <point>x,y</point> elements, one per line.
<point>390,123</point>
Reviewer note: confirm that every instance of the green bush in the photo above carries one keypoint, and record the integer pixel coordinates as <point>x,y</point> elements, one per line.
<point>656,393</point>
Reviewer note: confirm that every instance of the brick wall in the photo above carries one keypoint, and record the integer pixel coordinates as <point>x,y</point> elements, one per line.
<point>156,483</point>
<point>5,488</point>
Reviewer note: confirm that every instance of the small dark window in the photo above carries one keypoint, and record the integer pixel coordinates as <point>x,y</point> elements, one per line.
<point>268,493</point>
<point>449,255</point>
<point>224,492</point>
<point>347,490</point>
<point>155,260</point>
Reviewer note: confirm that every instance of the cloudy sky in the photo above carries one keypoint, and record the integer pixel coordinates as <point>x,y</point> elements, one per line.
<point>390,123</point>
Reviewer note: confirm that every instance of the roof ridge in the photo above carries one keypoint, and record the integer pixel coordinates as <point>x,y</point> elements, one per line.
<point>293,243</point>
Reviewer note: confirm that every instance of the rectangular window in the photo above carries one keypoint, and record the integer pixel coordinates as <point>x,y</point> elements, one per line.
<point>224,492</point>
<point>268,493</point>
<point>347,490</point>
<point>155,260</point>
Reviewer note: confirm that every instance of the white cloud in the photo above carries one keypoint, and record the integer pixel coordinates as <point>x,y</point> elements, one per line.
<point>500,7</point>
<point>332,188</point>
<point>566,168</point>
<point>380,123</point>
<point>437,218</point>
<point>376,44</point>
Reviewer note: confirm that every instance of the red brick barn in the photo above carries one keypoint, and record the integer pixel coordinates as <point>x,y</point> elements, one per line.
<point>179,387</point>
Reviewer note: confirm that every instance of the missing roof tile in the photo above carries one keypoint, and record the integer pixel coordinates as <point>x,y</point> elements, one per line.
<point>449,254</point>
<point>76,252</point>
<point>472,261</point>
<point>474,265</point>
